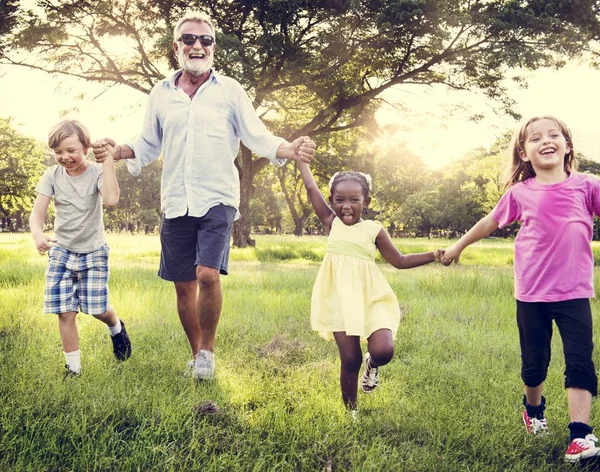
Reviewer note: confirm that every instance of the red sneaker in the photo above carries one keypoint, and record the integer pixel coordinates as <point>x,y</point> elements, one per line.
<point>534,425</point>
<point>582,448</point>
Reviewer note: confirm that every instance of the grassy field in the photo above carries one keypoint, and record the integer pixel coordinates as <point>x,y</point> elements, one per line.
<point>450,400</point>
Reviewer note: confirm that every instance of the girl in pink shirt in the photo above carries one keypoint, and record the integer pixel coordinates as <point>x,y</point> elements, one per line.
<point>554,269</point>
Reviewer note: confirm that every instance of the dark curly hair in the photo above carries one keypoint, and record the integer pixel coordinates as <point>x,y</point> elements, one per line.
<point>363,179</point>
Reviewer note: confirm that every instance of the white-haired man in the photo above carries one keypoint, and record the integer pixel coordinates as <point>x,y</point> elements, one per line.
<point>197,118</point>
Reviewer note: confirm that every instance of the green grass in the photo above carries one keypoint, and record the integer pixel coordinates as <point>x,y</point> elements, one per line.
<point>450,400</point>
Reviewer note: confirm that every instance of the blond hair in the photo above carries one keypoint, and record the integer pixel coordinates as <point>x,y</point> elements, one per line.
<point>195,16</point>
<point>521,170</point>
<point>65,128</point>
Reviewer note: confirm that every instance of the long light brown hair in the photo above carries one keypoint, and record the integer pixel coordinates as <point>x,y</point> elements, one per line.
<point>521,170</point>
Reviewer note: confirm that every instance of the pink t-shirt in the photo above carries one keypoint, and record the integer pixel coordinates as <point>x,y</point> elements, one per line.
<point>553,255</point>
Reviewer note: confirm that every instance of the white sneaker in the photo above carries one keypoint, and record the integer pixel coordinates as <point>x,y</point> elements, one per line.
<point>204,366</point>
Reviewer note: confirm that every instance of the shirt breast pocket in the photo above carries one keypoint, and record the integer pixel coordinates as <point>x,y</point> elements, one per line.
<point>216,122</point>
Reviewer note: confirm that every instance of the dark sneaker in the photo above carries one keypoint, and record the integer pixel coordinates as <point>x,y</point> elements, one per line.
<point>370,375</point>
<point>70,373</point>
<point>534,425</point>
<point>582,448</point>
<point>121,344</point>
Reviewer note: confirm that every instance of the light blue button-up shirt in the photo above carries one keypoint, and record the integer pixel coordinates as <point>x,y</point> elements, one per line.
<point>200,139</point>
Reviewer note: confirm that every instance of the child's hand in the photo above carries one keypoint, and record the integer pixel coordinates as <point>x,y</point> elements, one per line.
<point>452,254</point>
<point>100,149</point>
<point>304,149</point>
<point>438,254</point>
<point>43,243</point>
<point>113,152</point>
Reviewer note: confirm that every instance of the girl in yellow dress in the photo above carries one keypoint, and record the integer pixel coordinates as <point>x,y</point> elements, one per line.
<point>351,298</point>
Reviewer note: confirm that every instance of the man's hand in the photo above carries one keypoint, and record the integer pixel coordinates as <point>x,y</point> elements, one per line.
<point>101,151</point>
<point>305,148</point>
<point>301,149</point>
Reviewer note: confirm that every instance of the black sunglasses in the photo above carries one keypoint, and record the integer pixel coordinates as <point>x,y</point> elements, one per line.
<point>190,39</point>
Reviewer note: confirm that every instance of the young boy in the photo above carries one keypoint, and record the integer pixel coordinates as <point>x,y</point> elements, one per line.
<point>77,274</point>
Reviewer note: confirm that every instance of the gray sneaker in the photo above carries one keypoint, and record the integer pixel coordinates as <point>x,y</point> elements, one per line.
<point>204,367</point>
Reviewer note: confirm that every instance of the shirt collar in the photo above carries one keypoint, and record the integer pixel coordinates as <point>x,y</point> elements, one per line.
<point>214,77</point>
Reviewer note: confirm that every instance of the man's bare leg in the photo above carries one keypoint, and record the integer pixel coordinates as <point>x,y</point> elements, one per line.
<point>187,303</point>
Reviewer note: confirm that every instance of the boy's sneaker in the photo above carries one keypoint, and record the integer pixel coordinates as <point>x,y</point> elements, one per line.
<point>582,448</point>
<point>535,425</point>
<point>121,344</point>
<point>370,375</point>
<point>70,373</point>
<point>204,366</point>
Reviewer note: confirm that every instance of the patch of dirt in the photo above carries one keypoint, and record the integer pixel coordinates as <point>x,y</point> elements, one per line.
<point>206,408</point>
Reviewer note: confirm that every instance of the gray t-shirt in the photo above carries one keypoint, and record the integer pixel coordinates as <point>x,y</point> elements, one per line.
<point>78,225</point>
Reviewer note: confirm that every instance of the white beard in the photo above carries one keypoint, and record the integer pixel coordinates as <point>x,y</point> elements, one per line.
<point>194,67</point>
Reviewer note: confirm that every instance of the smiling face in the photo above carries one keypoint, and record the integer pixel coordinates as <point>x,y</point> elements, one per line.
<point>70,154</point>
<point>348,201</point>
<point>545,146</point>
<point>195,59</point>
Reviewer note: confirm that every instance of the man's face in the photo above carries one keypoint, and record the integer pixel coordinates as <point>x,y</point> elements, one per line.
<point>195,59</point>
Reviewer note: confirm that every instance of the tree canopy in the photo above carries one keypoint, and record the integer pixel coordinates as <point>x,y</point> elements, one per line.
<point>312,67</point>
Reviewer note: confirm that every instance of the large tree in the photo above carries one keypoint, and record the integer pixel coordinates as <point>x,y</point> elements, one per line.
<point>8,19</point>
<point>21,166</point>
<point>324,62</point>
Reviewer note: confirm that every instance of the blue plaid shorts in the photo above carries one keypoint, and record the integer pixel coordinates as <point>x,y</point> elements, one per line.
<point>76,282</point>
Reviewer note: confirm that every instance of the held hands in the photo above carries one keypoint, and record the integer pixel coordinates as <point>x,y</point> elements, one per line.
<point>302,149</point>
<point>43,243</point>
<point>452,254</point>
<point>104,148</point>
<point>438,254</point>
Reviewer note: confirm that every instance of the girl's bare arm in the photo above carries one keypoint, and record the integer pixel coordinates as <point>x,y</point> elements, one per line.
<point>322,209</point>
<point>400,261</point>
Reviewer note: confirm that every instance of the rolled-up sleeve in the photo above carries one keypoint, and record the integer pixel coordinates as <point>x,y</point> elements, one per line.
<point>147,146</point>
<point>253,132</point>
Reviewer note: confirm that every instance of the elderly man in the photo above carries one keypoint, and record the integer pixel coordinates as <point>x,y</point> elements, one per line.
<point>197,118</point>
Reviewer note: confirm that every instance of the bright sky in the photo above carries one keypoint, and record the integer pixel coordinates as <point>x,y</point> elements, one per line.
<point>35,100</point>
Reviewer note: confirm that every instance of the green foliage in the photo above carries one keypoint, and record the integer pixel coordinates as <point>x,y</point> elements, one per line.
<point>323,63</point>
<point>8,20</point>
<point>139,203</point>
<point>21,166</point>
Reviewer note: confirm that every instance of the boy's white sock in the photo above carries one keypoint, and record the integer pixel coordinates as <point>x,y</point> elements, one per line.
<point>73,361</point>
<point>116,329</point>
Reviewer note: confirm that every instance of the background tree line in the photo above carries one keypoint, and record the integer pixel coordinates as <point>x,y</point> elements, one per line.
<point>319,68</point>
<point>409,198</point>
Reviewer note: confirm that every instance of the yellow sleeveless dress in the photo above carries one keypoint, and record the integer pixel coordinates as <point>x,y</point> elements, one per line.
<point>350,293</point>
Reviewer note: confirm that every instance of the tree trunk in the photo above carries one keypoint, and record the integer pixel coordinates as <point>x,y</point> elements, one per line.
<point>247,169</point>
<point>298,225</point>
<point>19,218</point>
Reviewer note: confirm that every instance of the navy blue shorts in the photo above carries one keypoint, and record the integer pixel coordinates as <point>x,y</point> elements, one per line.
<point>189,241</point>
